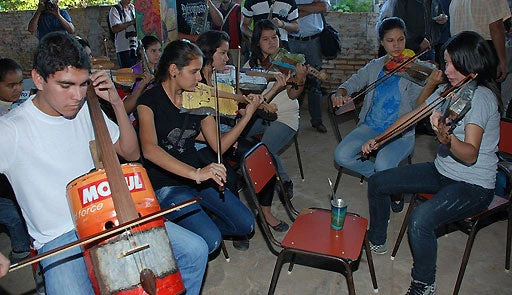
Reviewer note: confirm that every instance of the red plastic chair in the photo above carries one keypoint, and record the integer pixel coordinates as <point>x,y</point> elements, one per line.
<point>310,234</point>
<point>505,144</point>
<point>470,225</point>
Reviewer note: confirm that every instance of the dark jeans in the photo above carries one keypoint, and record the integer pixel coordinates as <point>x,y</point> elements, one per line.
<point>454,200</point>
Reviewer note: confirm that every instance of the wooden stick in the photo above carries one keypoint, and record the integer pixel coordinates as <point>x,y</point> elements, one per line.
<point>102,235</point>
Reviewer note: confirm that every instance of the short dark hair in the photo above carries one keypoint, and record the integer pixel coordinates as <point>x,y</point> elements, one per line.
<point>8,65</point>
<point>178,52</point>
<point>259,27</point>
<point>58,50</point>
<point>209,41</point>
<point>389,24</point>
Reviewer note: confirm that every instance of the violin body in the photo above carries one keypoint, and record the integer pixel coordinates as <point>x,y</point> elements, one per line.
<point>202,100</point>
<point>417,71</point>
<point>110,263</point>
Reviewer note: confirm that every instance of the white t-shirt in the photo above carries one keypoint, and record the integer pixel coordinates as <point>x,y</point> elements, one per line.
<point>40,155</point>
<point>121,42</point>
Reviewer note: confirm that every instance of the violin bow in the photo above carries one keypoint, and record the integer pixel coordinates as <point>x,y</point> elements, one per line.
<point>217,125</point>
<point>102,235</point>
<point>424,111</point>
<point>373,85</point>
<point>239,52</point>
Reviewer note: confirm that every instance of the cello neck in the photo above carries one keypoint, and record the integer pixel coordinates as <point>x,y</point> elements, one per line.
<point>123,204</point>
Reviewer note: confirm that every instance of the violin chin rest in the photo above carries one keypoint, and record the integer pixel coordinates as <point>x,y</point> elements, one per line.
<point>148,281</point>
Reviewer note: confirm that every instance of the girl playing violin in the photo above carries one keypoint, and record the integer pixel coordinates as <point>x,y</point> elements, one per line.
<point>167,138</point>
<point>381,107</point>
<point>463,172</point>
<point>152,47</point>
<point>279,133</point>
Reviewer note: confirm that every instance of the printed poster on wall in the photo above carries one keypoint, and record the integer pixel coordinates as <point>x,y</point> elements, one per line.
<point>158,18</point>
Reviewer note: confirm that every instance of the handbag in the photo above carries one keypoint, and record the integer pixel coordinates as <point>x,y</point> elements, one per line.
<point>330,40</point>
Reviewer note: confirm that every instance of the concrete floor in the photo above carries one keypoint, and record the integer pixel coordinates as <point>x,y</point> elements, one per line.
<point>250,272</point>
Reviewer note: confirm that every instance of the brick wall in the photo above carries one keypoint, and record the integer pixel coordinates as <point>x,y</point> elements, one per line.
<point>19,44</point>
<point>358,45</point>
<point>357,30</point>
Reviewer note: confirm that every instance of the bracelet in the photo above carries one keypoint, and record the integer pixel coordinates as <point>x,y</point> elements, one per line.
<point>197,176</point>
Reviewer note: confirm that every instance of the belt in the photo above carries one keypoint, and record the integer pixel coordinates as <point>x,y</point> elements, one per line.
<point>305,38</point>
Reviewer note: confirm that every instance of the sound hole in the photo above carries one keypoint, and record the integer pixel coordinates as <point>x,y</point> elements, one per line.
<point>109,225</point>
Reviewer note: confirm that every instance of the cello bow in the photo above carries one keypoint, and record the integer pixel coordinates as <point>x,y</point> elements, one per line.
<point>102,235</point>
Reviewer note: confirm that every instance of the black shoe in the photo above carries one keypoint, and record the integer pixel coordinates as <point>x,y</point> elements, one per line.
<point>397,206</point>
<point>242,245</point>
<point>280,227</point>
<point>320,127</point>
<point>288,188</point>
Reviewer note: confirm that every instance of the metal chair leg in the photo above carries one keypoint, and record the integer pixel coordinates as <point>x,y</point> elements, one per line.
<point>465,257</point>
<point>509,236</point>
<point>225,251</point>
<point>298,156</point>
<point>277,271</point>
<point>292,263</point>
<point>403,227</point>
<point>369,258</point>
<point>350,282</point>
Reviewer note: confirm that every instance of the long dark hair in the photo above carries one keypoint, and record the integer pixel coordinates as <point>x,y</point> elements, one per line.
<point>470,53</point>
<point>208,42</point>
<point>178,52</point>
<point>259,27</point>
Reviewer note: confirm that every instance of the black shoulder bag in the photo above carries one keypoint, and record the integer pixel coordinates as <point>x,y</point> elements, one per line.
<point>330,40</point>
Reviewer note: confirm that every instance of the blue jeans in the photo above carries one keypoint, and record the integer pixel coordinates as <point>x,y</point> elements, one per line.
<point>454,200</point>
<point>388,156</point>
<point>276,136</point>
<point>126,59</point>
<point>66,273</point>
<point>230,216</point>
<point>10,217</point>
<point>312,51</point>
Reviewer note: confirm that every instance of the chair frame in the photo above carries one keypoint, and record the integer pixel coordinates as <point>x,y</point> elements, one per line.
<point>470,226</point>
<point>266,164</point>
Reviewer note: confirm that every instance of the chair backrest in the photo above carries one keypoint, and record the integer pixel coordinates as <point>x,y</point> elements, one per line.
<point>259,170</point>
<point>505,144</point>
<point>258,167</point>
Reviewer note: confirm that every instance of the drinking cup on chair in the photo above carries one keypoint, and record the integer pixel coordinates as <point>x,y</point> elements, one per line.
<point>338,213</point>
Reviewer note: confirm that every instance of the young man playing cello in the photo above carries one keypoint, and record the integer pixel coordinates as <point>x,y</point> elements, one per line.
<point>46,145</point>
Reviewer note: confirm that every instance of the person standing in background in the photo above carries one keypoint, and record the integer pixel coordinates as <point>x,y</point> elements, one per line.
<point>49,18</point>
<point>307,42</point>
<point>196,17</point>
<point>486,18</point>
<point>283,13</point>
<point>122,22</point>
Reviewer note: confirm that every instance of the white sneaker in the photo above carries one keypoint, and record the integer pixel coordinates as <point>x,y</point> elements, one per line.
<point>420,288</point>
<point>378,249</point>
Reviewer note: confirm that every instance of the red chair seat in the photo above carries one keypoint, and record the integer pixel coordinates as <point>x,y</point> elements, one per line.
<point>312,232</point>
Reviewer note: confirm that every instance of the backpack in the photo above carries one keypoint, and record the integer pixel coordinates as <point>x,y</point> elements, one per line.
<point>120,10</point>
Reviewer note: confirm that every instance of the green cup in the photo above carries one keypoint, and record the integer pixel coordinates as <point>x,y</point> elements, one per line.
<point>338,213</point>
